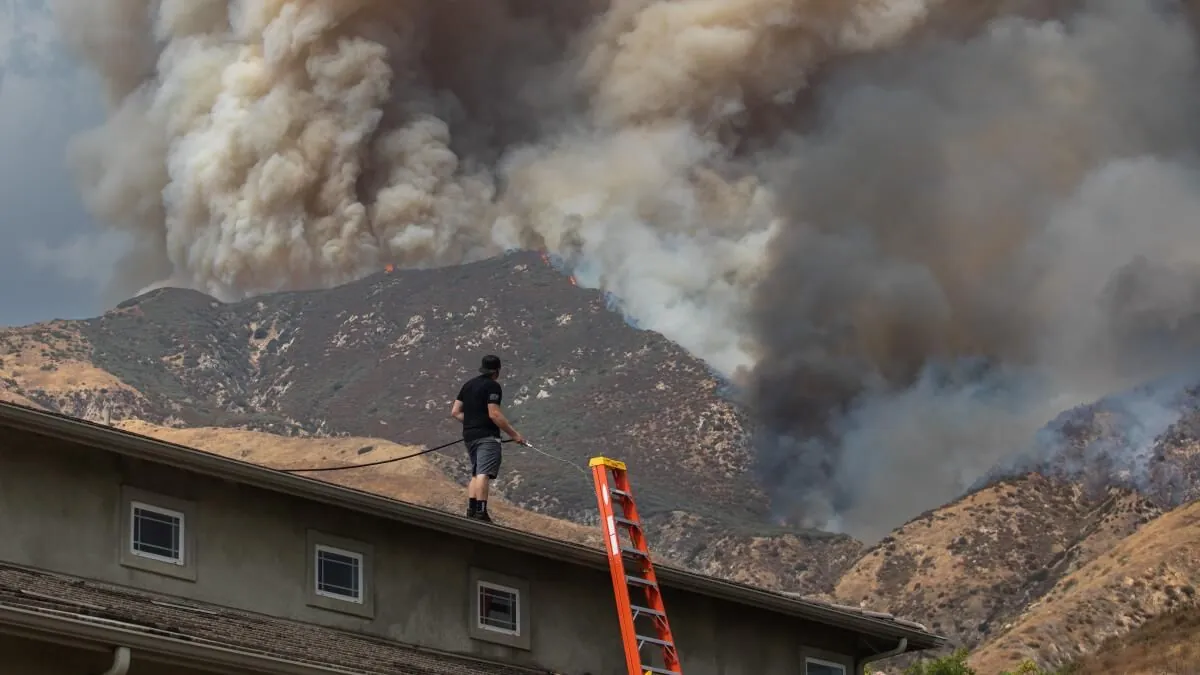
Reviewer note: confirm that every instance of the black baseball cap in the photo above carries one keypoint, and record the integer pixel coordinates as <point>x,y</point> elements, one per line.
<point>491,364</point>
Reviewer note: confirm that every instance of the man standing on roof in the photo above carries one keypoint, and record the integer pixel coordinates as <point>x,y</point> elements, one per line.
<point>478,408</point>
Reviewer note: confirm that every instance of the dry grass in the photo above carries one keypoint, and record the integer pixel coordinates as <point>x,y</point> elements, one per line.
<point>929,549</point>
<point>1165,645</point>
<point>414,480</point>
<point>941,569</point>
<point>957,568</point>
<point>13,397</point>
<point>1150,573</point>
<point>52,358</point>
<point>970,567</point>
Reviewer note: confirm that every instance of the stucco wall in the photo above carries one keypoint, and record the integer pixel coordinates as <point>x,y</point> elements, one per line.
<point>60,510</point>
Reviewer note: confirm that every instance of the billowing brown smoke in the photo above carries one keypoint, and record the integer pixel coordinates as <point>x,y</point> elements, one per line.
<point>816,196</point>
<point>265,145</point>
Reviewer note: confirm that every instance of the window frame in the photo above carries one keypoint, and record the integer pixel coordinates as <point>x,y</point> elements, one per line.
<point>132,498</point>
<point>364,606</point>
<point>477,580</point>
<point>136,505</point>
<point>359,568</point>
<point>822,662</point>
<point>480,586</point>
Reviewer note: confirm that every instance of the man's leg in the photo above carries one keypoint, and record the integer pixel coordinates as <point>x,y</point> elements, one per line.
<point>473,484</point>
<point>487,468</point>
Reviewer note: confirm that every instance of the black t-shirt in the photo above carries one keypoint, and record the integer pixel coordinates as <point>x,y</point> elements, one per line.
<point>475,395</point>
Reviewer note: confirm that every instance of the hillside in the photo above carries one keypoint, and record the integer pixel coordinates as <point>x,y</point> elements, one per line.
<point>49,365</point>
<point>1152,572</point>
<point>970,567</point>
<point>1145,439</point>
<point>1093,554</point>
<point>383,357</point>
<point>1168,644</point>
<point>368,370</point>
<point>1085,539</point>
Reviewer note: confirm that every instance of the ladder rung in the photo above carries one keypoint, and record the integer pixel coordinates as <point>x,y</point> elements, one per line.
<point>637,609</point>
<point>634,551</point>
<point>626,521</point>
<point>619,493</point>
<point>662,671</point>
<point>639,581</point>
<point>654,641</point>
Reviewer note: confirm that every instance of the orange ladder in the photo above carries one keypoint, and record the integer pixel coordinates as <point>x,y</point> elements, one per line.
<point>612,487</point>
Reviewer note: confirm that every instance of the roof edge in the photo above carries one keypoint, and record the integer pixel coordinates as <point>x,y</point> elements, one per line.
<point>190,459</point>
<point>94,635</point>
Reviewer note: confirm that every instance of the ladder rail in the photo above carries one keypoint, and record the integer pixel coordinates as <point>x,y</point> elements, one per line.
<point>631,566</point>
<point>617,568</point>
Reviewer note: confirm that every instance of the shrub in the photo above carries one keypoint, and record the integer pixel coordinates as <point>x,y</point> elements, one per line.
<point>1028,667</point>
<point>952,664</point>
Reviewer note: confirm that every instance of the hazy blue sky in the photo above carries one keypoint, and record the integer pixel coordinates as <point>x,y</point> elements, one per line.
<point>53,259</point>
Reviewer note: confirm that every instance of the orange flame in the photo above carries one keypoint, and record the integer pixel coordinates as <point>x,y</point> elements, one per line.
<point>573,280</point>
<point>389,268</point>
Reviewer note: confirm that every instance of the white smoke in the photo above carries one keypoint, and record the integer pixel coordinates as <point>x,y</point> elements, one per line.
<point>816,197</point>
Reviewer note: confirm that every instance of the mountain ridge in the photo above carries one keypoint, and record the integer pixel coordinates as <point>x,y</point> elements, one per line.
<point>382,357</point>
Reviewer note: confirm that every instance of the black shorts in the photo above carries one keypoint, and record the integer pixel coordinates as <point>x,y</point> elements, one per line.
<point>485,456</point>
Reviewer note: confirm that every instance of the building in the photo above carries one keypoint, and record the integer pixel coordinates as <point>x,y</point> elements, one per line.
<point>125,555</point>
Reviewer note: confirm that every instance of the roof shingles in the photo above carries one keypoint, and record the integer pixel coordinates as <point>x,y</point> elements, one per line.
<point>227,628</point>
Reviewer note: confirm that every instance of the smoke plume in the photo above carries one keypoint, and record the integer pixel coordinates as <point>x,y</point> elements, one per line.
<point>913,230</point>
<point>983,233</point>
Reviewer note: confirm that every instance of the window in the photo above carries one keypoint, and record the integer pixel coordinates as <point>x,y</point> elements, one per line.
<point>339,574</point>
<point>499,608</point>
<point>819,667</point>
<point>156,533</point>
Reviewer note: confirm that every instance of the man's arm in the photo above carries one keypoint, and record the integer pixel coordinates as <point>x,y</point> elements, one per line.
<point>495,394</point>
<point>501,421</point>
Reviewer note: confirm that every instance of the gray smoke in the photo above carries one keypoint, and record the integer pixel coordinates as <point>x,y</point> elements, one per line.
<point>910,252</point>
<point>984,233</point>
<point>1124,439</point>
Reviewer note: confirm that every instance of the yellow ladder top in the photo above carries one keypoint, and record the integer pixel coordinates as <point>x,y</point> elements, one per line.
<point>610,463</point>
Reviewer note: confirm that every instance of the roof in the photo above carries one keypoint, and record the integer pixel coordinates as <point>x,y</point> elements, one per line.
<point>74,430</point>
<point>27,596</point>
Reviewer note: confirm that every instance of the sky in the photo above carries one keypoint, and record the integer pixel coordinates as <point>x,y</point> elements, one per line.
<point>54,259</point>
